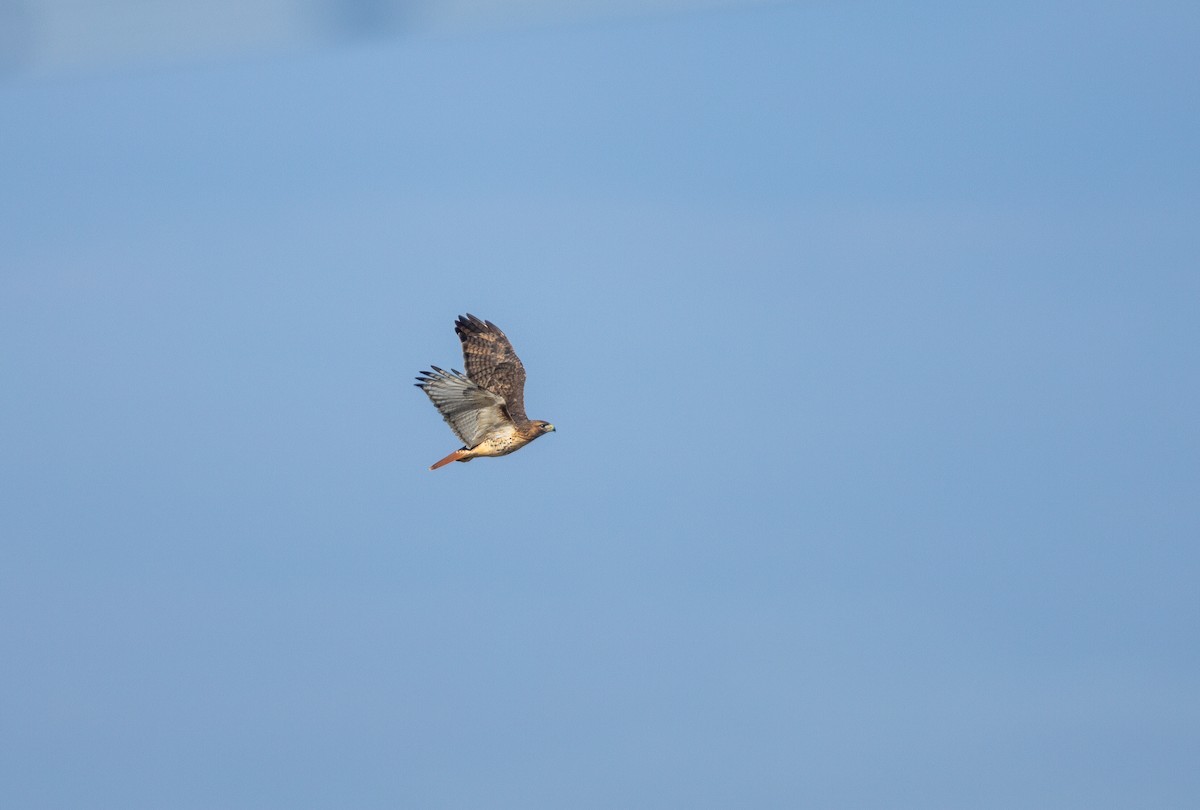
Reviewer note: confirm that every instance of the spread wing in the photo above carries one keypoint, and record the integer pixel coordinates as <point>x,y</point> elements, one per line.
<point>492,364</point>
<point>471,412</point>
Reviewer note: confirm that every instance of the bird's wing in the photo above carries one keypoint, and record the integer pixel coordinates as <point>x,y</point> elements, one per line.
<point>492,363</point>
<point>471,412</point>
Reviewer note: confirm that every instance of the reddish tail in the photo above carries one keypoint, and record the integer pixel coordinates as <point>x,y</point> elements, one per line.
<point>455,456</point>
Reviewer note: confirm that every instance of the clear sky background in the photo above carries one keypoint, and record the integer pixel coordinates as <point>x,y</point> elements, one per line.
<point>870,332</point>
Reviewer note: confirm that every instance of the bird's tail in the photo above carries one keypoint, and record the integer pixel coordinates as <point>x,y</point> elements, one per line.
<point>457,455</point>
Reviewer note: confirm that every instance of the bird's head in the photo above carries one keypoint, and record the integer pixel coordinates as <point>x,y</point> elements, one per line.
<point>544,427</point>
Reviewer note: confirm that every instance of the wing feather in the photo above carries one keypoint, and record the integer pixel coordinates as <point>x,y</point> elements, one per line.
<point>492,363</point>
<point>471,411</point>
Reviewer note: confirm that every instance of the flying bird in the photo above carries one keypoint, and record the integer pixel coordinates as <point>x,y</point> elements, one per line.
<point>486,406</point>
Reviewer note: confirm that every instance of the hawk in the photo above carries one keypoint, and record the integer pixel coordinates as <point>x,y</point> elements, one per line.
<point>486,406</point>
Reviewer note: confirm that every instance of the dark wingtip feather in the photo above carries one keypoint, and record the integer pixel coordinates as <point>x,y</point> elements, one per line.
<point>472,323</point>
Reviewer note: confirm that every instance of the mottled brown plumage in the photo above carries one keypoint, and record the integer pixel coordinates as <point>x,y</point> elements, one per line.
<point>486,406</point>
<point>492,363</point>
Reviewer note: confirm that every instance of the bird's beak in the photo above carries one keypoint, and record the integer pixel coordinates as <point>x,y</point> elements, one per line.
<point>551,428</point>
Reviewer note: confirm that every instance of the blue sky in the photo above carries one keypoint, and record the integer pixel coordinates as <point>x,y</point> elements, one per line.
<point>869,333</point>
